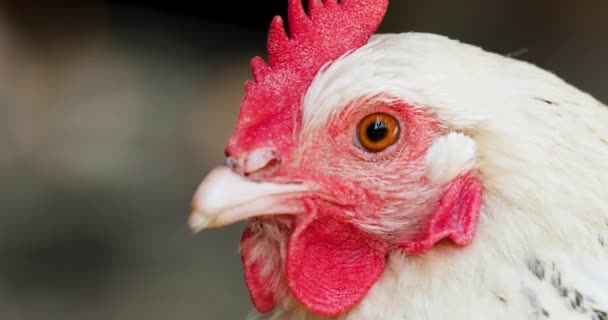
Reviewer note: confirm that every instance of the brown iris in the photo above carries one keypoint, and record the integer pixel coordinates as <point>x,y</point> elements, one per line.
<point>377,132</point>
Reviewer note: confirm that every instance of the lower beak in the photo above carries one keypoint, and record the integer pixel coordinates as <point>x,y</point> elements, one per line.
<point>225,197</point>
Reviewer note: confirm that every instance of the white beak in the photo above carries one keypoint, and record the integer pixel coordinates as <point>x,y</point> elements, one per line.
<point>225,197</point>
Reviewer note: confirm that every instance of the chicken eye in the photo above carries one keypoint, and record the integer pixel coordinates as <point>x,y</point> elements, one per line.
<point>377,132</point>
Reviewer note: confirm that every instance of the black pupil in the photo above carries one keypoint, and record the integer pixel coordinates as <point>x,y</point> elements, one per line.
<point>377,131</point>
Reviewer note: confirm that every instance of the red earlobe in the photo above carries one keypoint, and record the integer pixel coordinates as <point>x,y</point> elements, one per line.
<point>455,218</point>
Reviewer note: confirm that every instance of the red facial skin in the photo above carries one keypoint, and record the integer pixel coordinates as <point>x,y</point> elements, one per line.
<point>331,260</point>
<point>329,257</point>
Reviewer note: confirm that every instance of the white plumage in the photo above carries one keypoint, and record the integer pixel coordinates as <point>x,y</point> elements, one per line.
<point>541,145</point>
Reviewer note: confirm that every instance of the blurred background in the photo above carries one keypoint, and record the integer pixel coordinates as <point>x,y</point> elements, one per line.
<point>111,113</point>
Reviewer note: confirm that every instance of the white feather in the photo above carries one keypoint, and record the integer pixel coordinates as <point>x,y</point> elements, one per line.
<point>449,156</point>
<point>541,146</point>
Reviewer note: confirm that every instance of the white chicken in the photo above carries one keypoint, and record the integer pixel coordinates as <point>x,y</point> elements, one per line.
<point>411,176</point>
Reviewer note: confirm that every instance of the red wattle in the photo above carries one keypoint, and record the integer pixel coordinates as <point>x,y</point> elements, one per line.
<point>331,265</point>
<point>263,294</point>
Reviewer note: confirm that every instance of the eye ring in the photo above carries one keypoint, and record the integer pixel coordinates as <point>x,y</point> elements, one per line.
<point>377,131</point>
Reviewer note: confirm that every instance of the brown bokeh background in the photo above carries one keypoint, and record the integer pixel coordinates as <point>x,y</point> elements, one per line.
<point>112,113</point>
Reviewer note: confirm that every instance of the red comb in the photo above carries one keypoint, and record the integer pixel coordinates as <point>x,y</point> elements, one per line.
<point>270,107</point>
<point>330,30</point>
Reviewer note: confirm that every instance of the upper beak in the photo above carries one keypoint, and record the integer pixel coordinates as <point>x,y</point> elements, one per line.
<point>225,197</point>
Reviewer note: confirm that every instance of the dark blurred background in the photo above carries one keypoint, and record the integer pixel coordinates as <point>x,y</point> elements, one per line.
<point>111,113</point>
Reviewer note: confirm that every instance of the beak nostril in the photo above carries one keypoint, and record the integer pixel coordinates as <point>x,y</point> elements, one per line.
<point>261,162</point>
<point>269,169</point>
<point>230,162</point>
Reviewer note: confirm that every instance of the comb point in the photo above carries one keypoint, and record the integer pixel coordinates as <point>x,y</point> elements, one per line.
<point>315,7</point>
<point>277,39</point>
<point>249,86</point>
<point>298,20</point>
<point>259,68</point>
<point>331,3</point>
<point>277,28</point>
